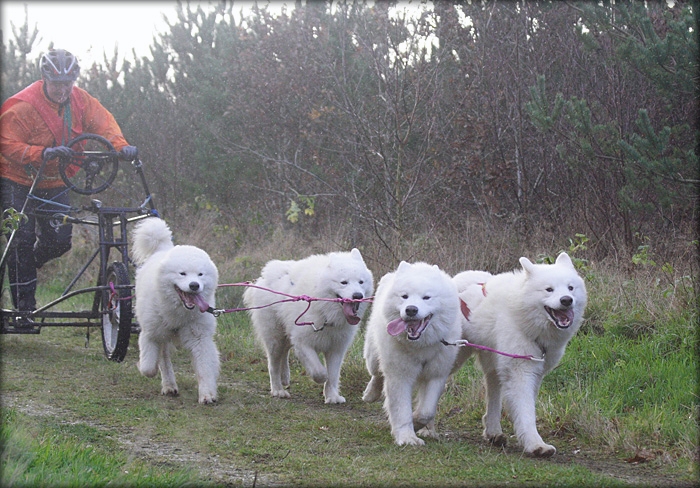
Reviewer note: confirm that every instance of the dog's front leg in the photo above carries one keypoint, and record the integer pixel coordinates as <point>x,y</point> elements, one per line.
<point>520,396</point>
<point>205,360</point>
<point>424,414</point>
<point>149,350</point>
<point>397,403</point>
<point>278,366</point>
<point>309,358</point>
<point>167,374</point>
<point>331,389</point>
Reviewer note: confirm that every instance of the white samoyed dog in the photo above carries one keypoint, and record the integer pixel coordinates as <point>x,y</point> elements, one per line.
<point>175,286</point>
<point>337,275</point>
<point>415,309</point>
<point>531,312</point>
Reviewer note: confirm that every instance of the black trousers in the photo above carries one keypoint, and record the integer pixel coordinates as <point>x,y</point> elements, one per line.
<point>36,241</point>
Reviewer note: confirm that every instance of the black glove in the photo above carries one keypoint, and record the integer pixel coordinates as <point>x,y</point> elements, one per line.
<point>129,153</point>
<point>57,152</point>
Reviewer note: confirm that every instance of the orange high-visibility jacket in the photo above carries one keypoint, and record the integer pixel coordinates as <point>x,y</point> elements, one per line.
<point>25,132</point>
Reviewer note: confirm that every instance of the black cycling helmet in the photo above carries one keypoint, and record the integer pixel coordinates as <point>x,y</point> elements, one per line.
<point>58,65</point>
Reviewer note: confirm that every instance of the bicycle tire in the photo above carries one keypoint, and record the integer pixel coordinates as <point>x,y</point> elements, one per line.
<point>116,312</point>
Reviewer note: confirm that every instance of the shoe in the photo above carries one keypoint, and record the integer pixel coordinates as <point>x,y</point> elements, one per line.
<point>24,322</point>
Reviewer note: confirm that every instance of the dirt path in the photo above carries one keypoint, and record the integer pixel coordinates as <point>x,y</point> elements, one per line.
<point>227,442</point>
<point>634,473</point>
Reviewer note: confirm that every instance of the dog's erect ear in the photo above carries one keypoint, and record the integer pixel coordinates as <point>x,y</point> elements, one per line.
<point>355,254</point>
<point>527,265</point>
<point>403,265</point>
<point>564,259</point>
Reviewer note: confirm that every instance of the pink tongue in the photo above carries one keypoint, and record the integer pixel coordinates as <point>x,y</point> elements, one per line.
<point>395,327</point>
<point>350,315</point>
<point>200,302</point>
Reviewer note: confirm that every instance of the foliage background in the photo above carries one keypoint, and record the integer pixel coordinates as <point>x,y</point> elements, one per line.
<point>513,125</point>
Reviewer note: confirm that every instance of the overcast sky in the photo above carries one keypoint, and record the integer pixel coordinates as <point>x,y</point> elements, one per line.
<point>88,29</point>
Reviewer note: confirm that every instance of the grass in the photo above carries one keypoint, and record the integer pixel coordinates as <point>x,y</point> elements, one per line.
<point>49,452</point>
<point>621,409</point>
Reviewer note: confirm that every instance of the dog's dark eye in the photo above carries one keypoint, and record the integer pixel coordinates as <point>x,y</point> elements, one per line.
<point>426,297</point>
<point>571,288</point>
<point>344,282</point>
<point>182,273</point>
<point>201,274</point>
<point>404,296</point>
<point>550,289</point>
<point>362,282</point>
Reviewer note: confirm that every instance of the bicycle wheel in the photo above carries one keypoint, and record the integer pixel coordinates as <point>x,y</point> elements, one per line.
<point>116,312</point>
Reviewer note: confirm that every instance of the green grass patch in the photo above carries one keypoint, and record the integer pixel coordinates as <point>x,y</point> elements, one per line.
<point>47,452</point>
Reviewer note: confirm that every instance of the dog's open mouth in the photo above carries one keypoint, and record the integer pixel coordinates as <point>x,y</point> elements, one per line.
<point>192,300</point>
<point>413,328</point>
<point>350,310</point>
<point>561,318</point>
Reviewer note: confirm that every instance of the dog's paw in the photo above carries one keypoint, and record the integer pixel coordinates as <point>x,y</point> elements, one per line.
<point>335,399</point>
<point>169,391</point>
<point>542,451</point>
<point>280,393</point>
<point>428,431</point>
<point>408,438</point>
<point>207,399</point>
<point>425,427</point>
<point>498,440</point>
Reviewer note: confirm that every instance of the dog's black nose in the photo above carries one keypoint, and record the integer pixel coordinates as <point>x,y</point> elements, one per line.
<point>357,296</point>
<point>194,286</point>
<point>566,301</point>
<point>411,310</point>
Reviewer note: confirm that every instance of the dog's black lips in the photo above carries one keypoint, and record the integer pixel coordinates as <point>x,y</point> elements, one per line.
<point>562,318</point>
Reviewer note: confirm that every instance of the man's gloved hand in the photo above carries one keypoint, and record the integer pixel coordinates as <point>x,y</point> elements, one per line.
<point>57,152</point>
<point>129,153</point>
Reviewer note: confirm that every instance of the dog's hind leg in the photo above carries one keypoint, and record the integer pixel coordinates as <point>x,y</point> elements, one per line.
<point>373,391</point>
<point>167,374</point>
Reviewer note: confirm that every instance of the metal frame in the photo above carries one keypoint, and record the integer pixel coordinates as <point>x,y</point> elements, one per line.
<point>112,225</point>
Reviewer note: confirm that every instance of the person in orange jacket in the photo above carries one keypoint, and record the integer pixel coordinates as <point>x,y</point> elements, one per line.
<point>37,123</point>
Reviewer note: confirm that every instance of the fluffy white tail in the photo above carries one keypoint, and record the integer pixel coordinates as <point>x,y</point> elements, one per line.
<point>150,236</point>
